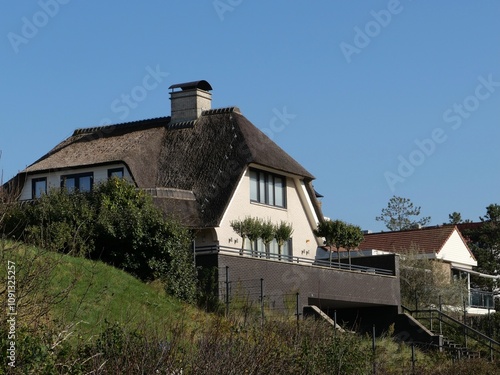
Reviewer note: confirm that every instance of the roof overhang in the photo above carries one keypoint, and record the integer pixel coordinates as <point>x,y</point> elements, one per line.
<point>485,275</point>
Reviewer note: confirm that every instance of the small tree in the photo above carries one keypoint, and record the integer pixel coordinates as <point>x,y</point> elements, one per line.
<point>267,234</point>
<point>399,213</point>
<point>254,230</point>
<point>241,227</point>
<point>424,281</point>
<point>352,238</point>
<point>333,233</point>
<point>282,232</point>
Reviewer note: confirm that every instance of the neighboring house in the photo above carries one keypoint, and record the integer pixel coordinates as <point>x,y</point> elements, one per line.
<point>444,243</point>
<point>208,167</point>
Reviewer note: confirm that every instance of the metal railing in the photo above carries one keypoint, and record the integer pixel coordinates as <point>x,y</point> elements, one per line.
<point>443,324</point>
<point>217,249</point>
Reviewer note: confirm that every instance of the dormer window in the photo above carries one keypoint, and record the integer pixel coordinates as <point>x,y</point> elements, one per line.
<point>267,188</point>
<point>38,187</point>
<point>78,182</point>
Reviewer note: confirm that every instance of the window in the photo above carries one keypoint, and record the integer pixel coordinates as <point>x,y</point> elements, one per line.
<point>115,172</point>
<point>82,182</point>
<point>38,187</point>
<point>267,188</point>
<point>271,250</point>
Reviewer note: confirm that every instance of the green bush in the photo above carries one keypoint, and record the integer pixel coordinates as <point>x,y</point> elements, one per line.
<point>58,221</point>
<point>115,223</point>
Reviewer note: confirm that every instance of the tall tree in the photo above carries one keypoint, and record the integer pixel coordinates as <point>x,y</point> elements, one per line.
<point>484,241</point>
<point>455,218</point>
<point>399,215</point>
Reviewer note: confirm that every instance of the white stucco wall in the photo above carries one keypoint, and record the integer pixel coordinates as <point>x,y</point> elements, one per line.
<point>455,251</point>
<point>298,212</point>
<point>54,178</point>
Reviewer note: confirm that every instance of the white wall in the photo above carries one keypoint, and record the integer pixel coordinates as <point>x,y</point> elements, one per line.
<point>456,252</point>
<point>54,178</point>
<point>299,213</point>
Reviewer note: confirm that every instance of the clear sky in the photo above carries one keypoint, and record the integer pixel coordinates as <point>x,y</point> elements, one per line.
<point>374,98</point>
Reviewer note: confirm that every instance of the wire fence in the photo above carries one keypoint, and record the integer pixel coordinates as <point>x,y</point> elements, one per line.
<point>255,298</point>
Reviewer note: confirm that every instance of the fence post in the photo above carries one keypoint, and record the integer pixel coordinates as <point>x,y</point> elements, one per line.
<point>227,291</point>
<point>432,330</point>
<point>413,360</point>
<point>373,350</point>
<point>262,300</point>
<point>489,333</point>
<point>297,311</point>
<point>335,321</point>
<point>440,316</point>
<point>465,324</point>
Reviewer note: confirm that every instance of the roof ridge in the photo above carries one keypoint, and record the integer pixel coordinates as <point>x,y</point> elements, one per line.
<point>217,111</point>
<point>181,125</point>
<point>123,125</point>
<point>438,226</point>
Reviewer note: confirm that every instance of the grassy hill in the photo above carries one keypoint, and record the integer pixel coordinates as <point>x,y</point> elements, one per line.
<point>69,292</point>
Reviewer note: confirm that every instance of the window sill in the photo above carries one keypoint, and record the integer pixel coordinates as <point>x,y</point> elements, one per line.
<point>268,206</point>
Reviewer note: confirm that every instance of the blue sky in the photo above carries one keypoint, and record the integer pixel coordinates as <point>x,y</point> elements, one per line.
<point>374,98</point>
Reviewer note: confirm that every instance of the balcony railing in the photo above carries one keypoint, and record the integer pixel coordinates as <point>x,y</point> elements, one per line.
<point>215,249</point>
<point>481,299</point>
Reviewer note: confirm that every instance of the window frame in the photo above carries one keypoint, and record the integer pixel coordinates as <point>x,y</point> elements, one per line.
<point>115,170</point>
<point>77,177</point>
<point>34,181</point>
<point>266,185</point>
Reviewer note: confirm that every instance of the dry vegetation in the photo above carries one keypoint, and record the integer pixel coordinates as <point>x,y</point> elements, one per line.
<point>163,336</point>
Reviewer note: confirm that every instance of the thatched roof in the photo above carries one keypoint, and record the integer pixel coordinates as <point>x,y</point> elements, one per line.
<point>134,144</point>
<point>205,157</point>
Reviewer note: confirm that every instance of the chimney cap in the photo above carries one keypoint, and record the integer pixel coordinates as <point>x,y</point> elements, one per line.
<point>202,84</point>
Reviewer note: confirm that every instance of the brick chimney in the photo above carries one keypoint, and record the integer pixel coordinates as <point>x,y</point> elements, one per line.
<point>189,99</point>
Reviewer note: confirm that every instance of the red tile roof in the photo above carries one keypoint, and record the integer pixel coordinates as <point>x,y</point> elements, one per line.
<point>426,240</point>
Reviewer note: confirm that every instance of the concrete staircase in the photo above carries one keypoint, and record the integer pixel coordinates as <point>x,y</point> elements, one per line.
<point>317,313</point>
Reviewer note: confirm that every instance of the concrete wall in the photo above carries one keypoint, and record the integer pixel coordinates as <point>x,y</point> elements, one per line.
<point>328,288</point>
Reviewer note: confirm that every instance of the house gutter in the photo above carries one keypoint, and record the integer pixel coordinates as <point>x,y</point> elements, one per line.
<point>485,275</point>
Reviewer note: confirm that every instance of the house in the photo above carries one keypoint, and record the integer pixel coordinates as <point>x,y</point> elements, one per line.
<point>443,243</point>
<point>208,167</point>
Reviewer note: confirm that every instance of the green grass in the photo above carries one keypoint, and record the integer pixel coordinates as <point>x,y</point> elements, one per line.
<point>94,293</point>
